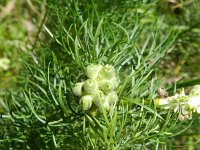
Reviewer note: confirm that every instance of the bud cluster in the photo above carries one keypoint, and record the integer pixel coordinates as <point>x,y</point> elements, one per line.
<point>99,88</point>
<point>187,103</point>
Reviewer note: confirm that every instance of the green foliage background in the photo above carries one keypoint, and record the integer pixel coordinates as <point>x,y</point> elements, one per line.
<point>150,43</point>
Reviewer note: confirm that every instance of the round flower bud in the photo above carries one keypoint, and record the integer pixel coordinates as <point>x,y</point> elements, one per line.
<point>112,97</point>
<point>195,91</point>
<point>106,86</point>
<point>78,89</point>
<point>99,98</point>
<point>107,73</point>
<point>92,71</point>
<point>86,102</point>
<point>90,86</point>
<point>194,101</point>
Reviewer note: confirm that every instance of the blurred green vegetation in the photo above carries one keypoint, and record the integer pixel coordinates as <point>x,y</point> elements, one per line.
<point>18,28</point>
<point>20,21</point>
<point>13,39</point>
<point>182,63</point>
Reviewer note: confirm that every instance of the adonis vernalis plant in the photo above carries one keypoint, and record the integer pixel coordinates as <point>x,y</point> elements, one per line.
<point>91,82</point>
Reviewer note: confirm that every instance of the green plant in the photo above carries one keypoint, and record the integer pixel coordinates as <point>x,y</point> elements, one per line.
<point>46,113</point>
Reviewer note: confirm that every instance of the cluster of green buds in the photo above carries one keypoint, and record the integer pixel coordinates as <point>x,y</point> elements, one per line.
<point>181,101</point>
<point>99,88</point>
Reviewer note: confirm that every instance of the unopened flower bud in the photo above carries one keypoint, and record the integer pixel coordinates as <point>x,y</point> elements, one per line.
<point>107,73</point>
<point>90,86</point>
<point>194,101</point>
<point>92,71</point>
<point>195,91</point>
<point>106,86</point>
<point>78,89</point>
<point>86,102</point>
<point>112,97</point>
<point>99,98</point>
